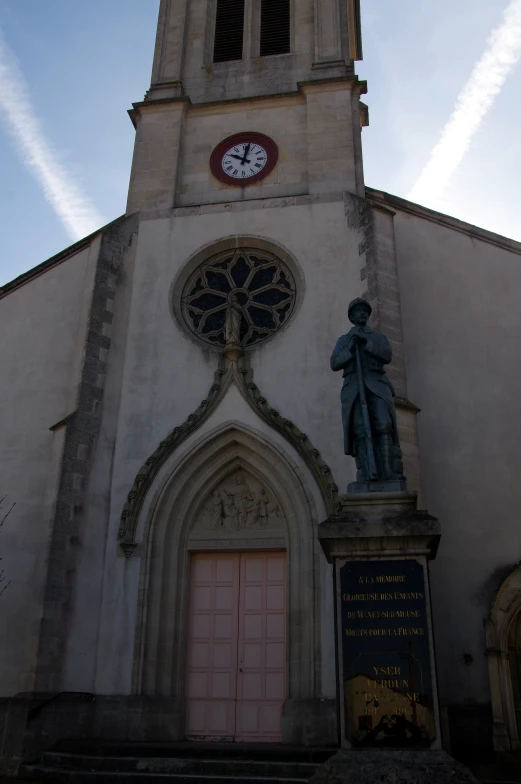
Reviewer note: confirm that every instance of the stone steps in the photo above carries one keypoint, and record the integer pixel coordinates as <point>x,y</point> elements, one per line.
<point>185,765</point>
<point>73,762</point>
<point>44,774</point>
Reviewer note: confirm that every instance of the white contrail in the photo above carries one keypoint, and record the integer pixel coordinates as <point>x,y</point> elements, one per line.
<point>74,209</point>
<point>502,52</point>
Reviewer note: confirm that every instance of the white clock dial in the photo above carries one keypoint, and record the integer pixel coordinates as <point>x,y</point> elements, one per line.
<point>244,160</point>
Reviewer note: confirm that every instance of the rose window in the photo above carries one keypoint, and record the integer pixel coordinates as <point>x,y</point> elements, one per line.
<point>258,281</point>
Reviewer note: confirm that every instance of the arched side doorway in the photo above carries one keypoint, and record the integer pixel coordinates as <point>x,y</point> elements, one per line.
<point>514,659</point>
<point>503,636</point>
<point>233,494</point>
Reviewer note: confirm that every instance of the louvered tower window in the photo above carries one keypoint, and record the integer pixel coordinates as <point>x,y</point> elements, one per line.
<point>275,27</point>
<point>229,30</point>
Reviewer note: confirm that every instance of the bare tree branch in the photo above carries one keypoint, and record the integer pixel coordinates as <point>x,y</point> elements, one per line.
<point>2,580</point>
<point>2,521</point>
<point>4,518</point>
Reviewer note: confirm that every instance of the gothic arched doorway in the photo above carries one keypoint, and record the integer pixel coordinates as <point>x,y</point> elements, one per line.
<point>514,659</point>
<point>503,637</point>
<point>233,494</point>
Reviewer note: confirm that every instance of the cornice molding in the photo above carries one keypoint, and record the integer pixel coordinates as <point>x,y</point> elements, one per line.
<point>336,82</point>
<point>58,258</point>
<point>394,204</point>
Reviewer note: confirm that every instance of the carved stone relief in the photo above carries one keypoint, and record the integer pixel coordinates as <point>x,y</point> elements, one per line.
<point>239,503</point>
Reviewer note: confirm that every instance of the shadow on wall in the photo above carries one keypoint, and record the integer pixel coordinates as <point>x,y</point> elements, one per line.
<point>471,734</point>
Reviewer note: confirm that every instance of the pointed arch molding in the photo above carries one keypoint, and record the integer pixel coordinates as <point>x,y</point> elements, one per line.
<point>228,372</point>
<point>505,607</point>
<point>171,535</point>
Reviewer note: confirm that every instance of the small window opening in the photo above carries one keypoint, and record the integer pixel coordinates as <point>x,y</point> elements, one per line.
<point>229,30</point>
<point>275,27</point>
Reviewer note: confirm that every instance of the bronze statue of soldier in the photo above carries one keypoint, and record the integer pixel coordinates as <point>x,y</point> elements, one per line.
<point>368,412</point>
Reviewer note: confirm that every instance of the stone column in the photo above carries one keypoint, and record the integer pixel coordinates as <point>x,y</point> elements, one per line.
<point>157,150</point>
<point>168,56</point>
<point>328,42</point>
<point>333,132</point>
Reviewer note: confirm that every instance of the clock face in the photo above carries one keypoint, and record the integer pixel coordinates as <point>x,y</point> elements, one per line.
<point>244,158</point>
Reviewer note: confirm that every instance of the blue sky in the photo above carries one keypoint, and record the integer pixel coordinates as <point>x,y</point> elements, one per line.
<point>86,61</point>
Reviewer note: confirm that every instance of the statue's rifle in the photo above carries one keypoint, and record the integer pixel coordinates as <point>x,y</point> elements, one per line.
<point>369,451</point>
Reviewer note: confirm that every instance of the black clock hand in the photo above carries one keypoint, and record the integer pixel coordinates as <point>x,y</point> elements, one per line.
<point>246,155</point>
<point>238,158</point>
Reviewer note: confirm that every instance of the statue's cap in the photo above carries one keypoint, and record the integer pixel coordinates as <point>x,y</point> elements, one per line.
<point>358,301</point>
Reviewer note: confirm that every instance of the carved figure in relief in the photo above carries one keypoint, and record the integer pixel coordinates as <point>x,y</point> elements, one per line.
<point>224,513</point>
<point>265,509</point>
<point>253,514</point>
<point>244,499</point>
<point>217,510</point>
<point>231,512</point>
<point>239,506</point>
<point>234,318</point>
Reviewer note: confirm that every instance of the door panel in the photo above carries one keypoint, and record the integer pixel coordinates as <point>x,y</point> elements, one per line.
<point>236,658</point>
<point>211,687</point>
<point>261,684</point>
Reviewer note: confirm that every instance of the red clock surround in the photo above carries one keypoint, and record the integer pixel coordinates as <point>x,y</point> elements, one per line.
<point>261,139</point>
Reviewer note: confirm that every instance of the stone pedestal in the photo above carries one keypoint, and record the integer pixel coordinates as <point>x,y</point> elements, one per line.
<point>380,545</point>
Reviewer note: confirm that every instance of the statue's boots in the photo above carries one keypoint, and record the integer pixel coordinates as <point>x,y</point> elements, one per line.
<point>386,458</point>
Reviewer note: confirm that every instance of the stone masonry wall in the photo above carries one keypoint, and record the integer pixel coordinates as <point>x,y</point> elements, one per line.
<point>81,430</point>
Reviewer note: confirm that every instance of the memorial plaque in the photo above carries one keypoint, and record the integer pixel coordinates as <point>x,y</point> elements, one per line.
<point>386,656</point>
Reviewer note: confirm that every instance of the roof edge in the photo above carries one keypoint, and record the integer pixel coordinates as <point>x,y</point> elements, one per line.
<point>397,203</point>
<point>53,261</point>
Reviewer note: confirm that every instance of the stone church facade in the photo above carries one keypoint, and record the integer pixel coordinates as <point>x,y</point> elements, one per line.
<point>170,465</point>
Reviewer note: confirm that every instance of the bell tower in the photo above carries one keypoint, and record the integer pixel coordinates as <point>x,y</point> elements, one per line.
<point>214,50</point>
<point>281,68</point>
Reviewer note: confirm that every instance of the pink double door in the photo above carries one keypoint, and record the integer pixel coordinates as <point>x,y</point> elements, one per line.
<point>236,657</point>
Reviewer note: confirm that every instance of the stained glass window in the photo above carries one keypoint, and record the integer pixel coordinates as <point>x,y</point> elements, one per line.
<point>262,284</point>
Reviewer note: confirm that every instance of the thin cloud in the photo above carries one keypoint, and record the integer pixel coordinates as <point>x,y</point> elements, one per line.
<point>74,209</point>
<point>488,76</point>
